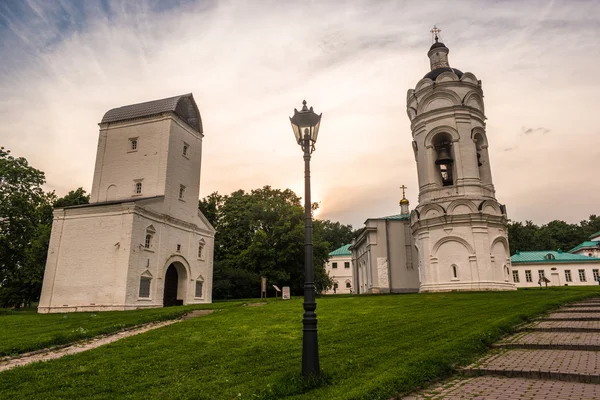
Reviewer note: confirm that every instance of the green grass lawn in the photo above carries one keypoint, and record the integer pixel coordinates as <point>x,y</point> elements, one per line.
<point>371,347</point>
<point>23,331</point>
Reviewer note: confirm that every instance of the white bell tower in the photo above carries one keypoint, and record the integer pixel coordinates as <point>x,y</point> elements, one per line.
<point>459,227</point>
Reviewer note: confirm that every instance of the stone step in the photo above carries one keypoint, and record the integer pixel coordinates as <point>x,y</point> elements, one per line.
<point>580,310</point>
<point>562,365</point>
<point>562,316</point>
<point>503,388</point>
<point>589,341</point>
<point>562,326</point>
<point>576,305</point>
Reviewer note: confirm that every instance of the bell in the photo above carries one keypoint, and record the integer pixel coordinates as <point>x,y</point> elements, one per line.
<point>443,156</point>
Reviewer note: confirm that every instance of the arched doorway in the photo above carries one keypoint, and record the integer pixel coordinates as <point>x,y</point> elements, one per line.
<point>171,286</point>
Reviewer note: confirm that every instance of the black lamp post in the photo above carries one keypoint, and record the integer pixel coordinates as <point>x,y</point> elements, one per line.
<point>306,128</point>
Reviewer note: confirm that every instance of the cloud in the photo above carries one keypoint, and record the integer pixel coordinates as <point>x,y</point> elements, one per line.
<point>530,131</point>
<point>65,63</point>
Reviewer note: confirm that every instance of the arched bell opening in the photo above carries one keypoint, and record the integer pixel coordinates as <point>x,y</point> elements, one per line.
<point>483,159</point>
<point>444,158</point>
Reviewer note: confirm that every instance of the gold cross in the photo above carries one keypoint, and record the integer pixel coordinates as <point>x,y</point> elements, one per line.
<point>403,187</point>
<point>434,32</point>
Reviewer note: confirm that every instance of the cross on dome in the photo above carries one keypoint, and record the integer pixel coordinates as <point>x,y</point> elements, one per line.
<point>434,33</point>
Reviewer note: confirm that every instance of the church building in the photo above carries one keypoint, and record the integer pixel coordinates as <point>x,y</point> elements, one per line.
<point>141,242</point>
<point>458,235</point>
<point>383,254</point>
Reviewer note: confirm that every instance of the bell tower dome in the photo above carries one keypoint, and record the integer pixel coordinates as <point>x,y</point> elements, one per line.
<point>459,227</point>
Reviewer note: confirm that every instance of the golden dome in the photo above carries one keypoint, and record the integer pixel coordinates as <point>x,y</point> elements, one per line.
<point>404,201</point>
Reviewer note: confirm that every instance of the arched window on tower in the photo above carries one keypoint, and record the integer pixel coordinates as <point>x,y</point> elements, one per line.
<point>483,161</point>
<point>443,158</point>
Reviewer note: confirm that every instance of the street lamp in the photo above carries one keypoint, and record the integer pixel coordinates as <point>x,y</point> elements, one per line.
<point>306,128</point>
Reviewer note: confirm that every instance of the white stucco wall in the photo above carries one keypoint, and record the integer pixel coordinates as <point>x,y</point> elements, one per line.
<point>118,166</point>
<point>384,258</point>
<point>340,275</point>
<point>589,252</point>
<point>556,273</point>
<point>97,257</point>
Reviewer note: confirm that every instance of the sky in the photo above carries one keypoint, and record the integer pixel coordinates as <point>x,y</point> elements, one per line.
<point>63,64</point>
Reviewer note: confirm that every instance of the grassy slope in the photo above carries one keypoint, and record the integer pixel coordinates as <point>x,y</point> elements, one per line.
<point>372,347</point>
<point>23,331</point>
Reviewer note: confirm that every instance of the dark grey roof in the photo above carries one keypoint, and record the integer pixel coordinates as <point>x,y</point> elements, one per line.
<point>436,45</point>
<point>438,71</point>
<point>183,106</point>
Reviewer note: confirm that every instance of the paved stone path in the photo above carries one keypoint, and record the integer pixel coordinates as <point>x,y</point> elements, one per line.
<point>555,357</point>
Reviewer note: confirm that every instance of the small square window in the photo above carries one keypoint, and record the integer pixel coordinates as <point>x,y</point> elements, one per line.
<point>179,248</point>
<point>133,144</point>
<point>186,148</point>
<point>334,265</point>
<point>199,287</point>
<point>181,192</point>
<point>346,264</point>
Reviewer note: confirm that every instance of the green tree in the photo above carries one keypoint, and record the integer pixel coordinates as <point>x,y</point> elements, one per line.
<point>261,233</point>
<point>22,202</point>
<point>335,233</point>
<point>73,198</point>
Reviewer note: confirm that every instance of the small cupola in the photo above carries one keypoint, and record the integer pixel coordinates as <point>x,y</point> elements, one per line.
<point>438,57</point>
<point>438,52</point>
<point>404,202</point>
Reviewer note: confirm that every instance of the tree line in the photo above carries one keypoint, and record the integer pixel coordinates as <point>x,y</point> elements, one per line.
<point>259,233</point>
<point>552,236</point>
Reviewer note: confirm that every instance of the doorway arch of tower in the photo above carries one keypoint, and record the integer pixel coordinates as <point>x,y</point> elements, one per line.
<point>176,277</point>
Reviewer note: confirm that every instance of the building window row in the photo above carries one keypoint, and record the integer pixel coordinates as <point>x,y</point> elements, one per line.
<point>528,277</point>
<point>568,277</point>
<point>516,276</point>
<point>334,265</point>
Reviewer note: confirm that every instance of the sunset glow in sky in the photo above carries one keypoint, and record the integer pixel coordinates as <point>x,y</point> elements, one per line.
<point>249,64</point>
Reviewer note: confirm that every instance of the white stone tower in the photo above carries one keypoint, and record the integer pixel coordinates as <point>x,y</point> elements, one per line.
<point>459,227</point>
<point>141,242</point>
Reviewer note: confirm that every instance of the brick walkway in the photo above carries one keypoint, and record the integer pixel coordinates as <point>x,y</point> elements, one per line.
<point>575,325</point>
<point>557,340</point>
<point>555,357</point>
<point>561,316</point>
<point>500,388</point>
